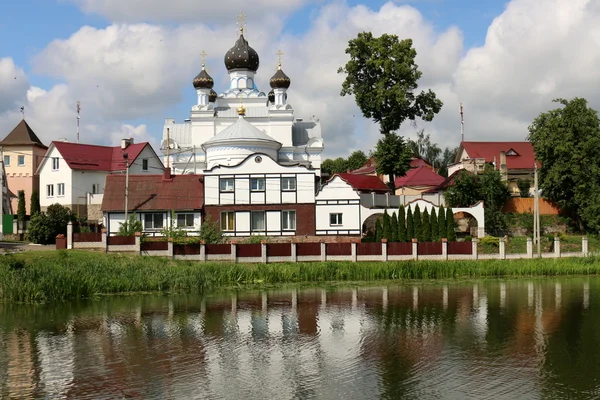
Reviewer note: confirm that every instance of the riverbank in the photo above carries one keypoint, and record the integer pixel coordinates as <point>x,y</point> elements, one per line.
<point>32,277</point>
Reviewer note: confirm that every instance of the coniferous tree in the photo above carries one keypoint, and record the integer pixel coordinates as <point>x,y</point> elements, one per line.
<point>417,222</point>
<point>21,209</point>
<point>450,224</point>
<point>394,228</point>
<point>378,231</point>
<point>410,226</point>
<point>35,202</point>
<point>387,226</point>
<point>401,224</point>
<point>443,230</point>
<point>435,229</point>
<point>425,227</point>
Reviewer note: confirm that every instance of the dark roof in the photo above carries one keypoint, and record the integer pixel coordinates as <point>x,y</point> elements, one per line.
<point>97,158</point>
<point>420,176</point>
<point>22,134</point>
<point>203,80</point>
<point>153,192</point>
<point>280,80</point>
<point>524,158</point>
<point>212,97</point>
<point>241,56</point>
<point>364,183</point>
<point>271,96</point>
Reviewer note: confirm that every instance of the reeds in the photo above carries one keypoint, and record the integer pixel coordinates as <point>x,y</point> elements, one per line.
<point>66,275</point>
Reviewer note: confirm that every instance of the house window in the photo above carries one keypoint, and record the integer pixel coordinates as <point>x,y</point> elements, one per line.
<point>335,219</point>
<point>226,184</point>
<point>185,220</point>
<point>227,221</point>
<point>144,164</point>
<point>153,221</point>
<point>95,188</point>
<point>55,163</point>
<point>288,220</point>
<point>288,184</point>
<point>257,184</point>
<point>21,161</point>
<point>257,221</point>
<point>7,160</point>
<point>60,189</point>
<point>49,190</point>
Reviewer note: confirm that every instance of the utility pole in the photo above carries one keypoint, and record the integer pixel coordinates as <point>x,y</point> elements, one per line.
<point>536,211</point>
<point>126,157</point>
<point>78,110</point>
<point>462,124</point>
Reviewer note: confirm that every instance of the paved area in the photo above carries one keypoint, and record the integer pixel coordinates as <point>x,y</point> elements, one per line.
<point>15,247</point>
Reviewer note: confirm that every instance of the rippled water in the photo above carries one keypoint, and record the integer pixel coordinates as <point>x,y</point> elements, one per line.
<point>525,339</point>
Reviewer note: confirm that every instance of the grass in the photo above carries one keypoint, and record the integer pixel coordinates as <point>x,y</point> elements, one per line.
<point>54,276</point>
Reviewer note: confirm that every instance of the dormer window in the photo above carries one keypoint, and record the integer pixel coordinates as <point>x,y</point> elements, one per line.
<point>511,152</point>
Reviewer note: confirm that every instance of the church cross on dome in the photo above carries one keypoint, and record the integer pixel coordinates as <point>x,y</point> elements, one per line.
<point>203,54</point>
<point>279,54</point>
<point>241,22</point>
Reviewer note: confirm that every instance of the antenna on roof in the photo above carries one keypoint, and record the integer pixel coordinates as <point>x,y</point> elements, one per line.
<point>78,110</point>
<point>168,147</point>
<point>462,124</point>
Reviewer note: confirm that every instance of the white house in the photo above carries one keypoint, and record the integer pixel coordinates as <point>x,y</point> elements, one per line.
<point>74,174</point>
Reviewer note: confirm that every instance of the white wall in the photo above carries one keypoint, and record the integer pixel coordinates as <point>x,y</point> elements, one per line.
<point>155,166</point>
<point>243,225</point>
<point>83,182</point>
<point>337,196</point>
<point>112,221</point>
<point>50,177</point>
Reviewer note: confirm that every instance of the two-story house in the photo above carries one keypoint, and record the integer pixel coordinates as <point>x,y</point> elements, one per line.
<point>22,153</point>
<point>74,174</point>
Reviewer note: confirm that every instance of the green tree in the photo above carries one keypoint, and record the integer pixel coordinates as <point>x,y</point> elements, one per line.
<point>210,232</point>
<point>432,153</point>
<point>394,232</point>
<point>378,230</point>
<point>46,226</point>
<point>40,231</point>
<point>410,226</point>
<point>21,210</point>
<point>524,185</point>
<point>450,225</point>
<point>442,228</point>
<point>131,226</point>
<point>356,160</point>
<point>339,165</point>
<point>435,229</point>
<point>401,224</point>
<point>387,226</point>
<point>464,192</point>
<point>566,142</point>
<point>425,227</point>
<point>417,222</point>
<point>382,75</point>
<point>392,157</point>
<point>35,202</point>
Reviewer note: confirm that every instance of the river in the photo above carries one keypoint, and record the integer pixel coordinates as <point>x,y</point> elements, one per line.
<point>489,339</point>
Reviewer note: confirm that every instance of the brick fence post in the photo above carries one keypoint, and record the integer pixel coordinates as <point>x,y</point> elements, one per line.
<point>233,252</point>
<point>584,246</point>
<point>502,246</point>
<point>105,239</point>
<point>202,251</point>
<point>263,251</point>
<point>69,235</point>
<point>384,250</point>
<point>556,247</point>
<point>529,247</point>
<point>445,249</point>
<point>294,249</point>
<point>474,248</point>
<point>415,249</point>
<point>353,255</point>
<point>170,248</point>
<point>138,242</point>
<point>323,251</point>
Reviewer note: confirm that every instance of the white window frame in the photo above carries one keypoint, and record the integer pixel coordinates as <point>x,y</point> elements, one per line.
<point>49,190</point>
<point>19,159</point>
<point>288,186</point>
<point>154,218</point>
<point>288,220</point>
<point>254,228</point>
<point>95,188</point>
<point>224,185</point>
<point>7,161</point>
<point>225,221</point>
<point>60,189</point>
<point>335,219</point>
<point>145,165</point>
<point>257,184</point>
<point>55,163</point>
<point>186,218</point>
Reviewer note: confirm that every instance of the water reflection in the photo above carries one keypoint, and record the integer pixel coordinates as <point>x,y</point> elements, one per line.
<point>488,339</point>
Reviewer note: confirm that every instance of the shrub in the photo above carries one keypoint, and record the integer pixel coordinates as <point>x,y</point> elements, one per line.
<point>131,226</point>
<point>45,228</point>
<point>442,227</point>
<point>468,238</point>
<point>410,226</point>
<point>254,239</point>
<point>524,185</point>
<point>21,212</point>
<point>35,202</point>
<point>401,224</point>
<point>435,229</point>
<point>417,222</point>
<point>450,225</point>
<point>210,232</point>
<point>425,235</point>
<point>387,226</point>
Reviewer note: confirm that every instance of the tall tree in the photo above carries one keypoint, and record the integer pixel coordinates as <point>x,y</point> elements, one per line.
<point>331,167</point>
<point>356,160</point>
<point>432,153</point>
<point>382,75</point>
<point>450,225</point>
<point>425,227</point>
<point>417,222</point>
<point>410,226</point>
<point>435,229</point>
<point>35,202</point>
<point>442,228</point>
<point>401,224</point>
<point>566,142</point>
<point>21,209</point>
<point>394,232</point>
<point>392,157</point>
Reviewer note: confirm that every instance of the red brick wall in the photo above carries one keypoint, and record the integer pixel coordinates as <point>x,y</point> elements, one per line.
<point>305,213</point>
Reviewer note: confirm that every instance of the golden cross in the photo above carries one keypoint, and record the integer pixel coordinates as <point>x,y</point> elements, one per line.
<point>279,54</point>
<point>241,22</point>
<point>203,54</point>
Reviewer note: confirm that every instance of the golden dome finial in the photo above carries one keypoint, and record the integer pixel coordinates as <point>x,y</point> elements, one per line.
<point>279,54</point>
<point>203,54</point>
<point>241,110</point>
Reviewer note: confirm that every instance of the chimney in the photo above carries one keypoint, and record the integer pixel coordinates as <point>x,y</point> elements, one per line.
<point>503,167</point>
<point>167,174</point>
<point>125,143</point>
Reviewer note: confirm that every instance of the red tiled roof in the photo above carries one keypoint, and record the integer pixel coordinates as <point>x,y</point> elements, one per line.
<point>449,181</point>
<point>523,160</point>
<point>370,166</point>
<point>97,158</point>
<point>420,176</point>
<point>364,183</point>
<point>419,162</point>
<point>152,192</point>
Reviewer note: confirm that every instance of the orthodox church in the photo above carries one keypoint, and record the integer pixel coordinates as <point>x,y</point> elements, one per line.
<point>219,133</point>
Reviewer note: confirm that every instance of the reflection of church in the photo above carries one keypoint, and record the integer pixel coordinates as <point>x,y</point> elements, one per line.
<point>203,140</point>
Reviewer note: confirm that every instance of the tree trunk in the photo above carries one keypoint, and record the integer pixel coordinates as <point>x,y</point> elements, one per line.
<point>391,184</point>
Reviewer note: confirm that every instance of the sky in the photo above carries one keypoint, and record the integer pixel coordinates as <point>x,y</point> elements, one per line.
<point>131,62</point>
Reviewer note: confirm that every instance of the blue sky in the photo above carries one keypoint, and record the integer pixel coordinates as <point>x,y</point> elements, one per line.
<point>504,83</point>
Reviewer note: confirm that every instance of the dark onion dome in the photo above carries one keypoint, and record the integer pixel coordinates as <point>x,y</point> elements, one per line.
<point>280,80</point>
<point>272,96</point>
<point>241,56</point>
<point>203,80</point>
<point>212,97</point>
